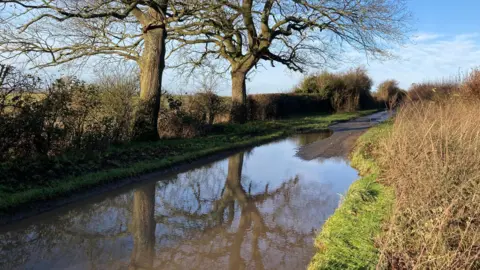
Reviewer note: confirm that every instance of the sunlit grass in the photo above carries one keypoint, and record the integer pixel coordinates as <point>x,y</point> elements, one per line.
<point>347,240</point>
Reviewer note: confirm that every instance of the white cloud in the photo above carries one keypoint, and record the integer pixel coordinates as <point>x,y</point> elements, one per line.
<point>421,37</point>
<point>439,58</point>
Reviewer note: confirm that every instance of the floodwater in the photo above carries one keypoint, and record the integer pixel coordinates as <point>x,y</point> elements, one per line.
<point>258,209</point>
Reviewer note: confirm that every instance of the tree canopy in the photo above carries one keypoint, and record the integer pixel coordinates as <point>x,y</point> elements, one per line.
<point>296,33</point>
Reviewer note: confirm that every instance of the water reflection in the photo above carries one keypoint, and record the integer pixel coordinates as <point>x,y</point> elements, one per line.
<point>255,210</point>
<point>143,227</point>
<point>308,138</point>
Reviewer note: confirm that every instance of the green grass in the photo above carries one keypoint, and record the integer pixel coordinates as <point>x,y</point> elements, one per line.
<point>28,181</point>
<point>347,239</point>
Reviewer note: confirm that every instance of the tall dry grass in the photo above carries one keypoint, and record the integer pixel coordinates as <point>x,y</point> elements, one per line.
<point>471,84</point>
<point>466,85</point>
<point>432,159</point>
<point>433,90</point>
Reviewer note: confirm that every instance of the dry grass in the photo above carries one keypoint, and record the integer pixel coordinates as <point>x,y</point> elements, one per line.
<point>471,84</point>
<point>432,159</point>
<point>465,85</point>
<point>433,90</point>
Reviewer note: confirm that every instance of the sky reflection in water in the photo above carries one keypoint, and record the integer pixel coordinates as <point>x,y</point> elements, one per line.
<point>254,210</point>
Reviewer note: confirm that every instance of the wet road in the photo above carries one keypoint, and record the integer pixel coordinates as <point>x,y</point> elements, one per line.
<point>343,138</point>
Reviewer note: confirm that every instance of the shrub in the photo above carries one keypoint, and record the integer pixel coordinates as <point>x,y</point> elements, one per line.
<point>175,121</point>
<point>206,106</point>
<point>118,96</point>
<point>356,93</point>
<point>58,121</point>
<point>328,83</point>
<point>308,85</point>
<point>277,106</point>
<point>177,124</point>
<point>322,84</point>
<point>389,93</point>
<point>347,91</point>
<point>68,115</point>
<point>18,110</point>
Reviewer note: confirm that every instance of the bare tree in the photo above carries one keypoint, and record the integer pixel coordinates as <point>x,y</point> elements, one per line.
<point>294,33</point>
<point>54,32</point>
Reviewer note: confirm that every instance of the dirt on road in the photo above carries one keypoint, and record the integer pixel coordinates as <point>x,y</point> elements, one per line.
<point>343,139</point>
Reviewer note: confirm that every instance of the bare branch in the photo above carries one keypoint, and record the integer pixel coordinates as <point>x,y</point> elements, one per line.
<point>278,31</point>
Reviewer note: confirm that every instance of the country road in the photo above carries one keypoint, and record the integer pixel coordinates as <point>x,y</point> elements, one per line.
<point>343,138</point>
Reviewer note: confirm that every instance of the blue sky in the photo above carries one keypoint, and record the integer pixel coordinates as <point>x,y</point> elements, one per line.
<point>446,16</point>
<point>445,41</point>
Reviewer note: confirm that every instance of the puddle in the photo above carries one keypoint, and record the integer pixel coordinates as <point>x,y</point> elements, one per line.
<point>258,209</point>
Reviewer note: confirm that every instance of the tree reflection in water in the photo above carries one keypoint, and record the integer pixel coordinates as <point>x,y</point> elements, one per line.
<point>143,227</point>
<point>84,238</point>
<point>226,227</point>
<point>209,218</point>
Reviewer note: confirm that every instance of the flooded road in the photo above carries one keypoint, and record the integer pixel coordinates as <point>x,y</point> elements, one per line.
<point>257,209</point>
<point>343,139</point>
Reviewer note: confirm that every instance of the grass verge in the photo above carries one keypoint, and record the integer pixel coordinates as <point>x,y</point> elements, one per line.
<point>347,239</point>
<point>26,182</point>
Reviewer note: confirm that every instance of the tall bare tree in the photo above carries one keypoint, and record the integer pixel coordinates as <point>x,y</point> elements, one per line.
<point>294,33</point>
<point>54,32</point>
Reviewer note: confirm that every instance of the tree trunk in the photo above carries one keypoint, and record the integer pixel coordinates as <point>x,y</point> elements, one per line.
<point>234,179</point>
<point>233,190</point>
<point>152,65</point>
<point>143,227</point>
<point>239,97</point>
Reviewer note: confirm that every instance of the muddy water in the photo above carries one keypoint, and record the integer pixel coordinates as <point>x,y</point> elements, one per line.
<point>257,209</point>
